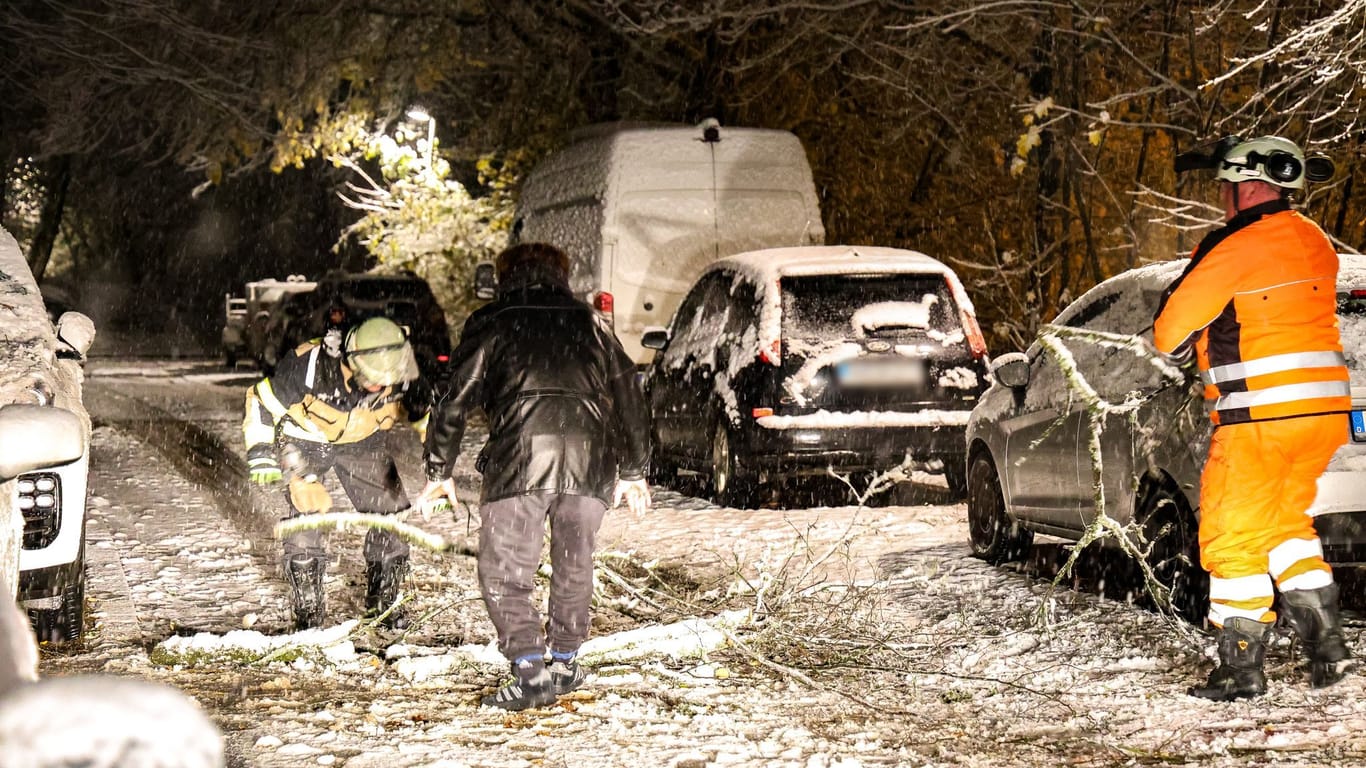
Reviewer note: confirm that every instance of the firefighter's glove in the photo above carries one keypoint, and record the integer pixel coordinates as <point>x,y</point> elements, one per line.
<point>264,470</point>
<point>437,496</point>
<point>636,495</point>
<point>307,494</point>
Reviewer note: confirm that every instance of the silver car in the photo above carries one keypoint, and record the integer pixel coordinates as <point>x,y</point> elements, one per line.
<point>1090,417</point>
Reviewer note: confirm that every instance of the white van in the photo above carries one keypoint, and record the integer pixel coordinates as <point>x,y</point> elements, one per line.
<point>642,209</point>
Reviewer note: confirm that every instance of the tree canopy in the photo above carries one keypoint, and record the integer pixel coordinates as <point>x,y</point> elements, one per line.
<point>1029,144</point>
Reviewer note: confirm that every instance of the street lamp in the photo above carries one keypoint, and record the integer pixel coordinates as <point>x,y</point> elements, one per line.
<point>417,114</point>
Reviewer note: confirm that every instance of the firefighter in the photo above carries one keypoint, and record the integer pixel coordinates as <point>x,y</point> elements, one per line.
<point>1257,308</point>
<point>319,412</point>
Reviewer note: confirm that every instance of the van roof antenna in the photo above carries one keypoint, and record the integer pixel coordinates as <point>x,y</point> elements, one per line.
<point>711,130</point>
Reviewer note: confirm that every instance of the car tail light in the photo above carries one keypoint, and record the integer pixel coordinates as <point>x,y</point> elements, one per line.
<point>976,341</point>
<point>39,499</point>
<point>602,302</point>
<point>1359,293</point>
<point>773,355</point>
<point>759,413</point>
<point>443,358</point>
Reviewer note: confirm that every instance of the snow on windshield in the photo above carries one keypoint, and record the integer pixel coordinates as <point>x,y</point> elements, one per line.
<point>893,314</point>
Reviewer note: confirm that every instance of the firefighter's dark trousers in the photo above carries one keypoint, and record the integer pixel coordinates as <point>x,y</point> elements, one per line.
<point>511,534</point>
<point>367,473</point>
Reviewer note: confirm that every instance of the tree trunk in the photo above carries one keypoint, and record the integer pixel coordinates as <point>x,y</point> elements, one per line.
<point>50,219</point>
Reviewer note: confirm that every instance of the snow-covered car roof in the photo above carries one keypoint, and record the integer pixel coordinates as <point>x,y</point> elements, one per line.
<point>1351,271</point>
<point>771,263</point>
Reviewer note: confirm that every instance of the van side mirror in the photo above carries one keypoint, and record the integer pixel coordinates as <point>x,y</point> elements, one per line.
<point>36,437</point>
<point>654,338</point>
<point>485,280</point>
<point>77,333</point>
<point>1011,370</point>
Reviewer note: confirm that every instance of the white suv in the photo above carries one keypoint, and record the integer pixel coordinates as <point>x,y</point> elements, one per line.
<point>40,391</point>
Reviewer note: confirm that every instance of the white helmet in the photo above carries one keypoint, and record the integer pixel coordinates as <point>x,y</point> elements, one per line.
<point>1271,159</point>
<point>379,353</point>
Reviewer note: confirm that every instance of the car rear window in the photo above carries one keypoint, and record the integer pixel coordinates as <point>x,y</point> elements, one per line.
<point>871,306</point>
<point>1352,329</point>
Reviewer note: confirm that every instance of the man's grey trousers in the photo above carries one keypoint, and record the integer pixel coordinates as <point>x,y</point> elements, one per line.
<point>511,533</point>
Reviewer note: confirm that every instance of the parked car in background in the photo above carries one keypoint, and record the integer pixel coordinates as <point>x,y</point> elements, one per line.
<point>404,298</point>
<point>1029,452</point>
<point>45,449</point>
<point>245,317</point>
<point>284,329</point>
<point>796,361</point>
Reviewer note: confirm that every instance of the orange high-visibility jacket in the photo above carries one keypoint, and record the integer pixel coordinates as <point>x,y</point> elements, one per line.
<point>1259,302</point>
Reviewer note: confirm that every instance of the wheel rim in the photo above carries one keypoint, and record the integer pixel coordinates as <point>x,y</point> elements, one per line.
<point>720,460</point>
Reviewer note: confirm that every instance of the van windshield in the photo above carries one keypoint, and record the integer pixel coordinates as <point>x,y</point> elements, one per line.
<point>867,306</point>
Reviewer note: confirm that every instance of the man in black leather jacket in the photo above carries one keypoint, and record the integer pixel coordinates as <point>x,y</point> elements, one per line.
<point>568,431</point>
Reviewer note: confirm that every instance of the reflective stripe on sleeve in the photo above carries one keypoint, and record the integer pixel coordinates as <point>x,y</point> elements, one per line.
<point>1274,364</point>
<point>312,367</point>
<point>1241,588</point>
<point>266,394</point>
<point>1287,393</point>
<point>1292,551</point>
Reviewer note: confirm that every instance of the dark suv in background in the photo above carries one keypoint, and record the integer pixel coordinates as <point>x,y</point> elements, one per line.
<point>404,298</point>
<point>798,361</point>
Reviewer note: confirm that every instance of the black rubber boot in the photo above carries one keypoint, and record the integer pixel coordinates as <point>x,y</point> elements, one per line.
<point>383,580</point>
<point>1313,614</point>
<point>305,574</point>
<point>1242,650</point>
<point>530,686</point>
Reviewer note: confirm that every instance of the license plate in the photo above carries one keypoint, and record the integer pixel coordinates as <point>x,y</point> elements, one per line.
<point>1359,426</point>
<point>881,373</point>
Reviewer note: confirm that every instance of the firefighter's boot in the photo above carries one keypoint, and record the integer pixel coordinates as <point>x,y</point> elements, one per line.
<point>1242,651</point>
<point>1313,614</point>
<point>305,574</point>
<point>382,583</point>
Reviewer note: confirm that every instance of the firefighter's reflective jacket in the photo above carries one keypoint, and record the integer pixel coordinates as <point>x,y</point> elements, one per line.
<point>1258,303</point>
<point>311,396</point>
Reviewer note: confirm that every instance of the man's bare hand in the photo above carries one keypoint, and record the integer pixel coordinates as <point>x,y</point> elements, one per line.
<point>636,494</point>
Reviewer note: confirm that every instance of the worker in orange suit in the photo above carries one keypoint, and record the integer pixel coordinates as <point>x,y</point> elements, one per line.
<point>1257,307</point>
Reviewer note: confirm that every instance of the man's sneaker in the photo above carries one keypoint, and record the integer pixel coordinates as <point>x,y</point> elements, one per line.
<point>566,674</point>
<point>530,686</point>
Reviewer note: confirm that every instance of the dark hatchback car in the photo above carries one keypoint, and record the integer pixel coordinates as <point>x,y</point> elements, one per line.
<point>404,298</point>
<point>798,361</point>
<point>1030,441</point>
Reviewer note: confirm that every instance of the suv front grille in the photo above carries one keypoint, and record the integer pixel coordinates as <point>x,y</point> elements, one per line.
<point>39,499</point>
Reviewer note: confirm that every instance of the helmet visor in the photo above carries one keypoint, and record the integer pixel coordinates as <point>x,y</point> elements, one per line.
<point>384,366</point>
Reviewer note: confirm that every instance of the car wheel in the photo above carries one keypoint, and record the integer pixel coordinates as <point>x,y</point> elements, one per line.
<point>66,623</point>
<point>956,475</point>
<point>729,483</point>
<point>994,536</point>
<point>1172,534</point>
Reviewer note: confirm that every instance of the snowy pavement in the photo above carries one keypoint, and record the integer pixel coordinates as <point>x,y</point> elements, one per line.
<point>879,640</point>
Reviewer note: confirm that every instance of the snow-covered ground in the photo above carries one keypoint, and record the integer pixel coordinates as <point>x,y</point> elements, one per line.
<point>874,637</point>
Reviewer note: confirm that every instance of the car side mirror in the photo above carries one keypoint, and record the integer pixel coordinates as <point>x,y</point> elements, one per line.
<point>654,338</point>
<point>77,332</point>
<point>485,280</point>
<point>1011,370</point>
<point>36,437</point>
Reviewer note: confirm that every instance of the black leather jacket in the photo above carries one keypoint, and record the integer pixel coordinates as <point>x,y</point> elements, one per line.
<point>565,409</point>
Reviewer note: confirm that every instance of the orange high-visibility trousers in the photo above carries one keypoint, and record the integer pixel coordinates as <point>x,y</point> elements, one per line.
<point>1257,485</point>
